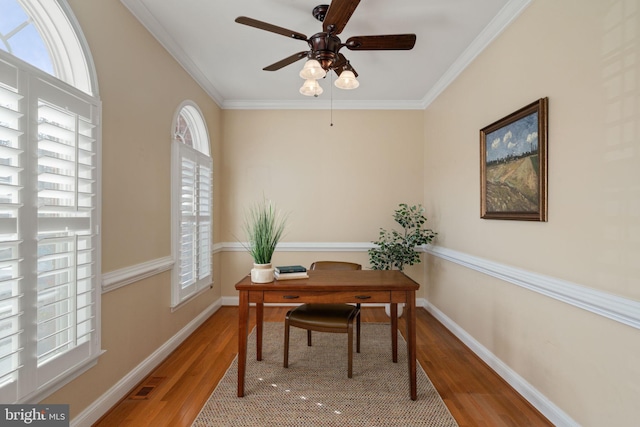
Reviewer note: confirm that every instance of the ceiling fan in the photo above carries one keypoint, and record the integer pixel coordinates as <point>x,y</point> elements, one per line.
<point>324,47</point>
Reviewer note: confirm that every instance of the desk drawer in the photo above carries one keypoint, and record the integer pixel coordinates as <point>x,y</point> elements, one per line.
<point>327,297</point>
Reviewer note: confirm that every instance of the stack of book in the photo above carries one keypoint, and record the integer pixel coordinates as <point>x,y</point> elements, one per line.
<point>288,272</point>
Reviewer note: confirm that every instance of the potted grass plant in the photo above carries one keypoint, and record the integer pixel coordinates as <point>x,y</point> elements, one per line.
<point>264,226</point>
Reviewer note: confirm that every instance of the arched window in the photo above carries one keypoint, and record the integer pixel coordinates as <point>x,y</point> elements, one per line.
<point>49,201</point>
<point>44,33</point>
<point>20,37</point>
<point>191,198</point>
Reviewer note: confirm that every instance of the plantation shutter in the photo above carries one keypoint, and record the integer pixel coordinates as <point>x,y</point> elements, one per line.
<point>204,218</point>
<point>48,231</point>
<point>66,200</point>
<point>11,291</point>
<point>193,257</point>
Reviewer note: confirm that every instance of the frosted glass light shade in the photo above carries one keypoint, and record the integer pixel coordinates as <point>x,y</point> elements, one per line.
<point>311,88</point>
<point>312,70</point>
<point>347,80</point>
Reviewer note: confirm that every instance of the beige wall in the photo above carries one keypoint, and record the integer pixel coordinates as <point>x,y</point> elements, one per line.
<point>341,183</point>
<point>141,86</point>
<point>584,57</point>
<point>338,183</point>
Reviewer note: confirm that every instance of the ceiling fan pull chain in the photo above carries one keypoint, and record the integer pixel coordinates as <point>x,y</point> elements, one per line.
<point>324,54</point>
<point>331,93</point>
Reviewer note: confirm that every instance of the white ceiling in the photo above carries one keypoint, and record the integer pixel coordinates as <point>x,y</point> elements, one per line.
<point>227,58</point>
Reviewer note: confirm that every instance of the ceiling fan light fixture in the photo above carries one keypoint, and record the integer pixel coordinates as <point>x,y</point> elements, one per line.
<point>324,54</point>
<point>311,88</point>
<point>347,80</point>
<point>312,70</point>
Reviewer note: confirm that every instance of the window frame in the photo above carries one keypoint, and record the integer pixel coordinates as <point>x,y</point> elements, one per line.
<point>68,49</point>
<point>35,86</point>
<point>199,155</point>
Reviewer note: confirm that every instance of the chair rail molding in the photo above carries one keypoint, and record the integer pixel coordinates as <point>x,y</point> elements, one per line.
<point>307,246</point>
<point>614,307</point>
<point>127,275</point>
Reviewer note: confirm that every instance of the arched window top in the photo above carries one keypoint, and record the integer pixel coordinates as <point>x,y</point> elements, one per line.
<point>191,204</point>
<point>189,127</point>
<point>46,35</point>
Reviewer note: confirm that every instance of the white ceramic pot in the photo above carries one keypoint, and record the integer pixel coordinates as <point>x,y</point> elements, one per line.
<point>262,273</point>
<point>387,309</point>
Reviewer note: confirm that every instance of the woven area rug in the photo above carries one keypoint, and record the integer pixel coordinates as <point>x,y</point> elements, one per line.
<point>315,391</point>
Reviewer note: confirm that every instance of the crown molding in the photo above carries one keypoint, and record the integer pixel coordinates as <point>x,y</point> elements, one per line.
<point>498,24</point>
<point>146,18</point>
<point>502,20</point>
<point>322,104</point>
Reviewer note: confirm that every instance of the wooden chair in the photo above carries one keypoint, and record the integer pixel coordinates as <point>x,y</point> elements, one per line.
<point>337,318</point>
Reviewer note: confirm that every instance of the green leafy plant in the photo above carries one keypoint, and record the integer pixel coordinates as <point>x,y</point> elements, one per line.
<point>396,249</point>
<point>264,226</point>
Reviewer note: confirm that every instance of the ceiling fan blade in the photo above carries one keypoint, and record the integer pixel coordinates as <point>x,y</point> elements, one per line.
<point>338,15</point>
<point>388,42</point>
<point>341,64</point>
<point>286,61</point>
<point>270,27</point>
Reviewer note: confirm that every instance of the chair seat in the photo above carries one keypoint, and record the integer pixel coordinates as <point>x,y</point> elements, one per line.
<point>322,316</point>
<point>337,318</point>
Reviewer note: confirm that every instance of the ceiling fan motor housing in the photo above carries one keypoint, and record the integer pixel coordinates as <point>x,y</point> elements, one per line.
<point>324,48</point>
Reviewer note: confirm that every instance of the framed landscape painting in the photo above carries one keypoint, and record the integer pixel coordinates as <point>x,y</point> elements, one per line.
<point>513,165</point>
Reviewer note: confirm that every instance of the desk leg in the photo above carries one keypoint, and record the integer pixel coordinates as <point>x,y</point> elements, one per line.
<point>243,332</point>
<point>393,313</point>
<point>410,310</point>
<point>259,322</point>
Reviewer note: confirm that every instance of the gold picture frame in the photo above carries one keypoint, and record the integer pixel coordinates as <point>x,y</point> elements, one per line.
<point>513,165</point>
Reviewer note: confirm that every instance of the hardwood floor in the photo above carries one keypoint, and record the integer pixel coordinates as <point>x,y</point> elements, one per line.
<point>176,391</point>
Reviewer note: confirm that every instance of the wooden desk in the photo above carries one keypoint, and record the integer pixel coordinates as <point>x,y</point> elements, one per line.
<point>331,286</point>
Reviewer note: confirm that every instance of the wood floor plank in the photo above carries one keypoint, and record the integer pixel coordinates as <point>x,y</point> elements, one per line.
<point>473,392</point>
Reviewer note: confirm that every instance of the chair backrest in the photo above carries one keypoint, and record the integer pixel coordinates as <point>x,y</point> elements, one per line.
<point>335,265</point>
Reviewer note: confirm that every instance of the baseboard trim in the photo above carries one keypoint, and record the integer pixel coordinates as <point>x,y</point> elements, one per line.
<point>620,309</point>
<point>110,398</point>
<point>553,413</point>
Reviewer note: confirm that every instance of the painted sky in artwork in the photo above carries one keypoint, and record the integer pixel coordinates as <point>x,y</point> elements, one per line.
<point>517,138</point>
